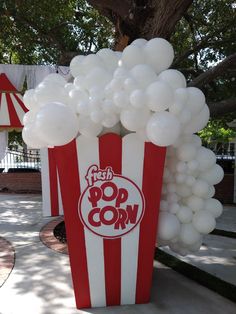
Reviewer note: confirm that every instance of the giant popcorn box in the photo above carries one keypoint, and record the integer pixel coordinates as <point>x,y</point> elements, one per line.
<point>111,190</point>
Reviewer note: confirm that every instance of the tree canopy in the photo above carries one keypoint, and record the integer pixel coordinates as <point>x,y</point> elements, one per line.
<point>203,34</point>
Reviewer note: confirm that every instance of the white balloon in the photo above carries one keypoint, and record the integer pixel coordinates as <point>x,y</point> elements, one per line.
<point>140,42</point>
<point>180,178</point>
<point>97,92</point>
<point>98,77</point>
<point>203,221</point>
<point>90,62</point>
<point>121,99</point>
<point>214,175</point>
<point>143,75</point>
<point>185,116</point>
<point>214,207</point>
<point>205,158</point>
<point>174,78</point>
<point>130,85</point>
<point>199,121</point>
<point>196,246</point>
<point>159,53</point>
<point>193,165</point>
<point>196,140</point>
<point>163,205</point>
<point>55,77</point>
<point>97,116</point>
<point>109,58</point>
<point>116,84</point>
<point>87,127</point>
<point>181,167</point>
<point>138,98</point>
<point>79,82</point>
<point>29,100</point>
<point>211,191</point>
<point>134,119</point>
<point>190,180</point>
<point>186,152</point>
<point>160,96</point>
<point>183,190</point>
<point>29,117</point>
<point>169,226</point>
<point>200,188</point>
<point>163,128</point>
<point>50,91</point>
<point>133,55</point>
<point>195,203</point>
<point>56,124</point>
<point>121,72</point>
<point>110,120</point>
<point>76,67</point>
<point>184,215</point>
<point>108,107</point>
<point>30,137</point>
<point>171,187</point>
<point>77,95</point>
<point>69,87</point>
<point>196,99</point>
<point>142,134</point>
<point>181,95</point>
<point>188,235</point>
<point>176,108</point>
<point>174,208</point>
<point>83,108</point>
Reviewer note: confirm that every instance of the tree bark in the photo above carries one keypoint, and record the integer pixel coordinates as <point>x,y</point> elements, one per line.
<point>142,19</point>
<point>227,106</point>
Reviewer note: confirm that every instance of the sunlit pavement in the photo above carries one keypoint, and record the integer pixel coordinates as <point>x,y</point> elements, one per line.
<point>40,282</point>
<point>217,255</point>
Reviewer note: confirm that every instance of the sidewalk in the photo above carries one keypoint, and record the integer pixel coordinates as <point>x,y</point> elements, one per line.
<point>40,282</point>
<point>217,255</point>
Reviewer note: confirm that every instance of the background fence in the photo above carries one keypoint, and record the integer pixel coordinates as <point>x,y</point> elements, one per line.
<point>21,161</point>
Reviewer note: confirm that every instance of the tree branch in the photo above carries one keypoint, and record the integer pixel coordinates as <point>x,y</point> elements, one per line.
<point>105,7</point>
<point>223,107</point>
<point>218,70</point>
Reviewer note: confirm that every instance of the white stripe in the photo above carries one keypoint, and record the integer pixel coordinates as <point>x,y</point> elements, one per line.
<point>61,212</point>
<point>4,113</point>
<point>20,112</point>
<point>45,182</point>
<point>88,154</point>
<point>132,167</point>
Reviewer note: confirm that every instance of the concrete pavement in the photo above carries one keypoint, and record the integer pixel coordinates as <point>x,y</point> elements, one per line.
<point>40,282</point>
<point>217,255</point>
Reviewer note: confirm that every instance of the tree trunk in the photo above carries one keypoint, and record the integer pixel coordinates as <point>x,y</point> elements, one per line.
<point>142,19</point>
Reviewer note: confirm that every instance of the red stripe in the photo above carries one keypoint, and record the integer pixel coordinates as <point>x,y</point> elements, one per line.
<point>67,163</point>
<point>154,159</point>
<point>110,153</point>
<point>14,120</point>
<point>20,102</point>
<point>53,183</point>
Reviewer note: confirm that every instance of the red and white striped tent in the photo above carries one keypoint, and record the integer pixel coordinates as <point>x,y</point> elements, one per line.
<point>12,108</point>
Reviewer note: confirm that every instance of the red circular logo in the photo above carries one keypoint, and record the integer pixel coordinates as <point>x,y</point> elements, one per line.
<point>111,205</point>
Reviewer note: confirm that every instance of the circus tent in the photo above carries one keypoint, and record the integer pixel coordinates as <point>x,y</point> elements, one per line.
<point>12,108</point>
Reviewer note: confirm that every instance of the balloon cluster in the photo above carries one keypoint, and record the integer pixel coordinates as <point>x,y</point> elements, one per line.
<point>134,91</point>
<point>188,210</point>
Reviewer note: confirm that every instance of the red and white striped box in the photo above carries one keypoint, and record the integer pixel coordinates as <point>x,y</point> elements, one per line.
<point>51,192</point>
<point>111,189</point>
